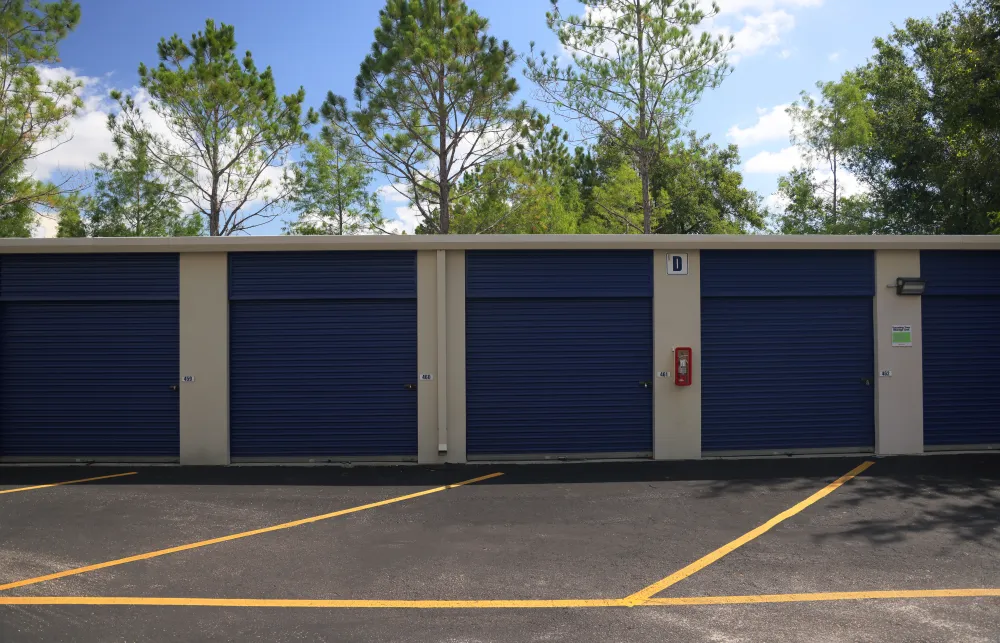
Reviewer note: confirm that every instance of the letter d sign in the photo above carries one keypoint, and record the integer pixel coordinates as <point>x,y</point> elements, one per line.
<point>677,264</point>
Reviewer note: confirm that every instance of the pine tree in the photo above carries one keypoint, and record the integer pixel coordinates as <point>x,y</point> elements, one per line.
<point>434,101</point>
<point>331,184</point>
<point>229,129</point>
<point>638,67</point>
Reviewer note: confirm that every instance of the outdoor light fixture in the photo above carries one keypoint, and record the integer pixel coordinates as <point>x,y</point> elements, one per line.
<point>910,286</point>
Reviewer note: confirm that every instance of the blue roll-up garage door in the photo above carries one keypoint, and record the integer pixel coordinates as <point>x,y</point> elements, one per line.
<point>323,355</point>
<point>89,356</point>
<point>788,351</point>
<point>559,353</point>
<point>961,338</point>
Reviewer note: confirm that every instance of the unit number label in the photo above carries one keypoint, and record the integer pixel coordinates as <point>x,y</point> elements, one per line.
<point>189,378</point>
<point>885,374</point>
<point>677,264</point>
<point>426,377</point>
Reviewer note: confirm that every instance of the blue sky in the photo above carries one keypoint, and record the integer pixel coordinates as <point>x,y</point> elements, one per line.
<point>782,47</point>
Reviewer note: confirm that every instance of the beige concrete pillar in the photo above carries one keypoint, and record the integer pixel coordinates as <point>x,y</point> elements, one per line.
<point>427,356</point>
<point>676,322</point>
<point>899,397</point>
<point>204,358</point>
<point>455,358</point>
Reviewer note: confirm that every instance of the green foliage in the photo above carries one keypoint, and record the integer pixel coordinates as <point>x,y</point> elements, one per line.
<point>17,216</point>
<point>703,191</point>
<point>638,67</point>
<point>332,191</point>
<point>695,186</point>
<point>33,112</point>
<point>931,164</point>
<point>131,199</point>
<point>228,128</point>
<point>806,209</point>
<point>832,127</point>
<point>434,100</point>
<point>71,224</point>
<point>531,191</point>
<point>618,200</point>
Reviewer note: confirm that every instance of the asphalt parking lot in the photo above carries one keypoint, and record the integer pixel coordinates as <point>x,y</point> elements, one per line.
<point>905,549</point>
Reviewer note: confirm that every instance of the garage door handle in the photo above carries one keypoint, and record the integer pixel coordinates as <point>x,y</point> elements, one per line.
<point>867,381</point>
<point>174,387</point>
<point>410,387</point>
<point>646,384</point>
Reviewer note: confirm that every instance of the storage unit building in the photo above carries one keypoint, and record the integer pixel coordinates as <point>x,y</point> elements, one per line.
<point>961,339</point>
<point>787,351</point>
<point>559,352</point>
<point>89,356</point>
<point>323,355</point>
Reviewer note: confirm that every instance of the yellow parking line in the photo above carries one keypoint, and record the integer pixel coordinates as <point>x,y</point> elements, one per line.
<point>342,604</point>
<point>244,534</point>
<point>822,596</point>
<point>57,484</point>
<point>705,561</point>
<point>496,604</point>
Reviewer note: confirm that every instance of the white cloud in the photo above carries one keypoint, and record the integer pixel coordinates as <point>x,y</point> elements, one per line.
<point>45,227</point>
<point>86,135</point>
<point>746,6</point>
<point>785,160</point>
<point>394,193</point>
<point>775,202</point>
<point>834,56</point>
<point>780,162</point>
<point>756,25</point>
<point>406,217</point>
<point>761,32</point>
<point>406,221</point>
<point>785,54</point>
<point>772,125</point>
<point>847,183</point>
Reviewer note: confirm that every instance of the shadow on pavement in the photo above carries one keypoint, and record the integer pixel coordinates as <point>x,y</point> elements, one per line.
<point>953,494</point>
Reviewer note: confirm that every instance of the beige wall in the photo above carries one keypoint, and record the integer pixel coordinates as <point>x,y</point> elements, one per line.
<point>455,332</point>
<point>204,355</point>
<point>899,399</point>
<point>666,242</point>
<point>441,353</point>
<point>427,357</point>
<point>676,322</point>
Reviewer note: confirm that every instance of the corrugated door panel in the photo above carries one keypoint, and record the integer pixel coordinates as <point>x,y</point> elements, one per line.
<point>559,376</point>
<point>961,337</point>
<point>323,378</point>
<point>558,273</point>
<point>323,275</point>
<point>97,277</point>
<point>960,272</point>
<point>787,273</point>
<point>785,374</point>
<point>89,379</point>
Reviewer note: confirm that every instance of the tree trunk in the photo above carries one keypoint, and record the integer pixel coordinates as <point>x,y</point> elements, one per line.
<point>443,187</point>
<point>340,198</point>
<point>443,195</point>
<point>834,188</point>
<point>647,207</point>
<point>213,215</point>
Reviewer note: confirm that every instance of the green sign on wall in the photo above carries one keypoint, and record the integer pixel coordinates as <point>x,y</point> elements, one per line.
<point>902,336</point>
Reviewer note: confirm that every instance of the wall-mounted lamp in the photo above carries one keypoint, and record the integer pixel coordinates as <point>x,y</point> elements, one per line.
<point>910,286</point>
